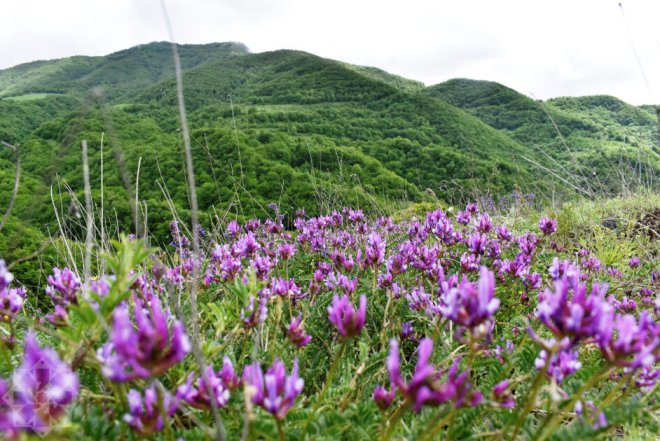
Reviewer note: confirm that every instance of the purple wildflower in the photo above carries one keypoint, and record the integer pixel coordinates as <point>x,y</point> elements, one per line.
<point>500,351</point>
<point>579,316</point>
<point>296,333</point>
<point>528,243</point>
<point>517,267</point>
<point>548,226</point>
<point>285,288</point>
<point>636,340</point>
<point>286,251</point>
<point>470,262</point>
<point>252,316</point>
<point>196,392</point>
<point>494,250</point>
<point>503,234</point>
<point>463,217</point>
<point>8,414</point>
<point>246,246</point>
<point>583,252</point>
<point>477,243</point>
<point>647,377</point>
<point>469,305</point>
<point>11,303</point>
<point>425,387</point>
<point>562,364</point>
<point>484,224</point>
<point>179,241</point>
<point>421,301</point>
<point>261,266</point>
<point>601,422</point>
<point>593,263</point>
<point>559,268</point>
<point>62,286</point>
<point>146,414</point>
<point>407,331</point>
<point>374,253</point>
<point>233,229</point>
<point>5,276</point>
<point>59,317</point>
<point>348,321</point>
<point>625,305</point>
<point>275,392</point>
<point>502,396</point>
<point>355,215</point>
<point>147,351</point>
<point>341,282</point>
<point>383,397</point>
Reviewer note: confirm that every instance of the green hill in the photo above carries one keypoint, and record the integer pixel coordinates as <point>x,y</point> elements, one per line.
<point>118,75</point>
<point>295,129</point>
<point>600,144</point>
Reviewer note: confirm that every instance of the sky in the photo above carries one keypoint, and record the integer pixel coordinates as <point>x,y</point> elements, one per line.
<point>542,48</point>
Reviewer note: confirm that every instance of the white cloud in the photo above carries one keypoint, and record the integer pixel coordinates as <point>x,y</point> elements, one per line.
<point>545,48</point>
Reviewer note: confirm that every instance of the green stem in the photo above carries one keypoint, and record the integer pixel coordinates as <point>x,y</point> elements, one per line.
<point>163,414</point>
<point>328,381</point>
<point>431,434</point>
<point>553,420</point>
<point>470,360</point>
<point>383,333</point>
<point>278,314</point>
<point>624,380</point>
<point>650,394</point>
<point>530,400</point>
<point>280,432</point>
<point>438,327</point>
<point>244,347</point>
<point>392,421</point>
<point>286,271</point>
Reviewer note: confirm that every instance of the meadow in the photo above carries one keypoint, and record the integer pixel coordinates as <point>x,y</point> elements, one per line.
<point>443,324</point>
<point>352,255</point>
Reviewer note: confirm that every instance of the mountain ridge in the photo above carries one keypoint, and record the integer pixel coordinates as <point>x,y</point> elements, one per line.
<point>294,128</point>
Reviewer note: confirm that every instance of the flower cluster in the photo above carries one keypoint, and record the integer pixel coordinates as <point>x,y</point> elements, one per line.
<point>425,387</point>
<point>148,349</point>
<point>63,286</point>
<point>568,311</point>
<point>296,333</point>
<point>429,282</point>
<point>11,299</point>
<point>348,321</point>
<point>146,411</point>
<point>210,386</point>
<point>274,391</point>
<point>468,305</point>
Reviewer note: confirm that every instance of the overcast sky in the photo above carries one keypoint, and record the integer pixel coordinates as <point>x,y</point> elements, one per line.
<point>543,48</point>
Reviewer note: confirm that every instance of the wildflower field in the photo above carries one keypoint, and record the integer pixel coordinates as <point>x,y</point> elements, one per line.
<point>439,324</point>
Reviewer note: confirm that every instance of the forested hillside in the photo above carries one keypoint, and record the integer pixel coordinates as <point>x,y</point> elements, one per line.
<point>294,129</point>
<point>599,144</point>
